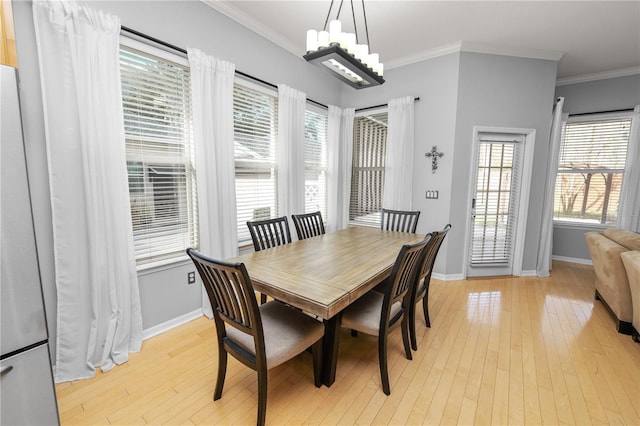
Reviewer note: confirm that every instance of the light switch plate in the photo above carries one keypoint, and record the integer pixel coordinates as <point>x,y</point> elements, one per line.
<point>432,194</point>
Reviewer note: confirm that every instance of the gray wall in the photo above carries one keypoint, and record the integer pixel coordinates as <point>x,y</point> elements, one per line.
<point>507,92</point>
<point>457,92</point>
<point>592,96</point>
<point>164,292</point>
<point>435,82</point>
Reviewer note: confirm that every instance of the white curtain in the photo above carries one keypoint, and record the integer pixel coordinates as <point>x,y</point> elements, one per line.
<point>398,167</point>
<point>212,99</point>
<point>291,140</point>
<point>339,153</point>
<point>98,317</point>
<point>629,216</point>
<point>543,265</point>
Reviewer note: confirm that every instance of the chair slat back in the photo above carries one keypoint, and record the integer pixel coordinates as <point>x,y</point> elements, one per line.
<point>399,220</point>
<point>269,233</point>
<point>308,224</point>
<point>432,252</point>
<point>230,292</point>
<point>405,269</point>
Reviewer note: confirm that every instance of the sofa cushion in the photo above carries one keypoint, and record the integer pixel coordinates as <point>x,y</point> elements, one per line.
<point>628,239</point>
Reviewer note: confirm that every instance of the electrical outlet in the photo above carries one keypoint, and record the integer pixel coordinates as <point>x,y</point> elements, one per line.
<point>432,194</point>
<point>191,277</point>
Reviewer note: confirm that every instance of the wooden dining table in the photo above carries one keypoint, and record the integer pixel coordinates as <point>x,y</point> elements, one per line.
<point>325,274</point>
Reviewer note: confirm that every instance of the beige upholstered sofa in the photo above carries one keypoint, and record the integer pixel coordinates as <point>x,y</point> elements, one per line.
<point>612,284</point>
<point>631,260</point>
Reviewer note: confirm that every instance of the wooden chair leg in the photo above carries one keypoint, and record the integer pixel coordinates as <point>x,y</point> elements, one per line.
<point>263,298</point>
<point>382,359</point>
<point>262,397</point>
<point>316,351</point>
<point>425,307</point>
<point>412,327</point>
<point>405,337</point>
<point>222,371</point>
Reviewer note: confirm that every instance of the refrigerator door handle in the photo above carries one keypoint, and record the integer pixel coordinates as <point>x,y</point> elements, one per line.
<point>5,370</point>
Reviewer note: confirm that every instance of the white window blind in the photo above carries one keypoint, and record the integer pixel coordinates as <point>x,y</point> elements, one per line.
<point>156,94</point>
<point>591,169</point>
<point>367,177</point>
<point>495,204</point>
<point>255,128</point>
<point>315,161</point>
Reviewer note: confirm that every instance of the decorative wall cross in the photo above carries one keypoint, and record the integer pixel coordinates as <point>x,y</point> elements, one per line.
<point>434,154</point>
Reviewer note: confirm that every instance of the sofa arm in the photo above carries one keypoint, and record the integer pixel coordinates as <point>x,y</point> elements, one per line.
<point>631,260</point>
<point>611,278</point>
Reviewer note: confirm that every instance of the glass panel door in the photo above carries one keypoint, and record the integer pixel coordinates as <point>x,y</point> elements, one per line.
<point>494,206</point>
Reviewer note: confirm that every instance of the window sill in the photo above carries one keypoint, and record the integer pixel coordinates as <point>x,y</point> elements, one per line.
<point>580,225</point>
<point>163,265</point>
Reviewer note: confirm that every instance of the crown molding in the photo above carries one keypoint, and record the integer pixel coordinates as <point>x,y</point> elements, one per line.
<point>227,9</point>
<point>465,46</point>
<point>520,52</point>
<point>424,55</point>
<point>623,72</point>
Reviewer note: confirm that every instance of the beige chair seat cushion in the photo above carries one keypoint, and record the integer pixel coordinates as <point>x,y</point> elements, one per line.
<point>364,314</point>
<point>631,260</point>
<point>287,333</point>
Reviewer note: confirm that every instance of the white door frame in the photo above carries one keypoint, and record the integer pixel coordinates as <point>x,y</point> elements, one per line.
<point>525,189</point>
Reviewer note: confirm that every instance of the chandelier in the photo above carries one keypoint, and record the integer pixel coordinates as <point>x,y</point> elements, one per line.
<point>343,54</point>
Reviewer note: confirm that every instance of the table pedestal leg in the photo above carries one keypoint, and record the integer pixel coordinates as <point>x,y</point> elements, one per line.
<point>330,348</point>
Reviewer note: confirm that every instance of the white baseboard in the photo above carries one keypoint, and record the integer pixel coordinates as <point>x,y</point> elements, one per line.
<point>172,323</point>
<point>573,260</point>
<point>532,273</point>
<point>448,277</point>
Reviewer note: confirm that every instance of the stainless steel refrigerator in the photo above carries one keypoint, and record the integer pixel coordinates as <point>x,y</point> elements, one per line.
<point>27,393</point>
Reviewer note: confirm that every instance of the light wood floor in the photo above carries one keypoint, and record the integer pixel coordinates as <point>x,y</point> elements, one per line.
<point>500,351</point>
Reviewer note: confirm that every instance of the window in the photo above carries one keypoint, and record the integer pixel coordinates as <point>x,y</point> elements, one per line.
<point>156,95</point>
<point>367,176</point>
<point>255,116</point>
<point>591,169</point>
<point>315,161</point>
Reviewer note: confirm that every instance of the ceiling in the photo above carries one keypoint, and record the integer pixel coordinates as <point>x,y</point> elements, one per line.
<point>591,39</point>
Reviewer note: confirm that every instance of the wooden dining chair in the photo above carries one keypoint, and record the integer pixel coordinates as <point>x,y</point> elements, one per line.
<point>259,337</point>
<point>308,224</point>
<point>420,290</point>
<point>269,233</point>
<point>377,314</point>
<point>399,220</point>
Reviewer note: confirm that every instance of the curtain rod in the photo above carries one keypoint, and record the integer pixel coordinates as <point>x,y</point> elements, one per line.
<point>184,52</point>
<point>380,106</point>
<point>611,111</point>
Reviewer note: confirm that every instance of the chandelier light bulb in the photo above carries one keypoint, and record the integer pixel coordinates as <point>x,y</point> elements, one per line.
<point>323,39</point>
<point>373,60</point>
<point>312,40</point>
<point>350,42</point>
<point>335,29</point>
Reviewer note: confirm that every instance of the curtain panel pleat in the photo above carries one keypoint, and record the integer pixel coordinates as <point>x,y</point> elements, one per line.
<point>99,319</point>
<point>543,264</point>
<point>398,173</point>
<point>629,210</point>
<point>212,97</point>
<point>340,152</point>
<point>291,112</point>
